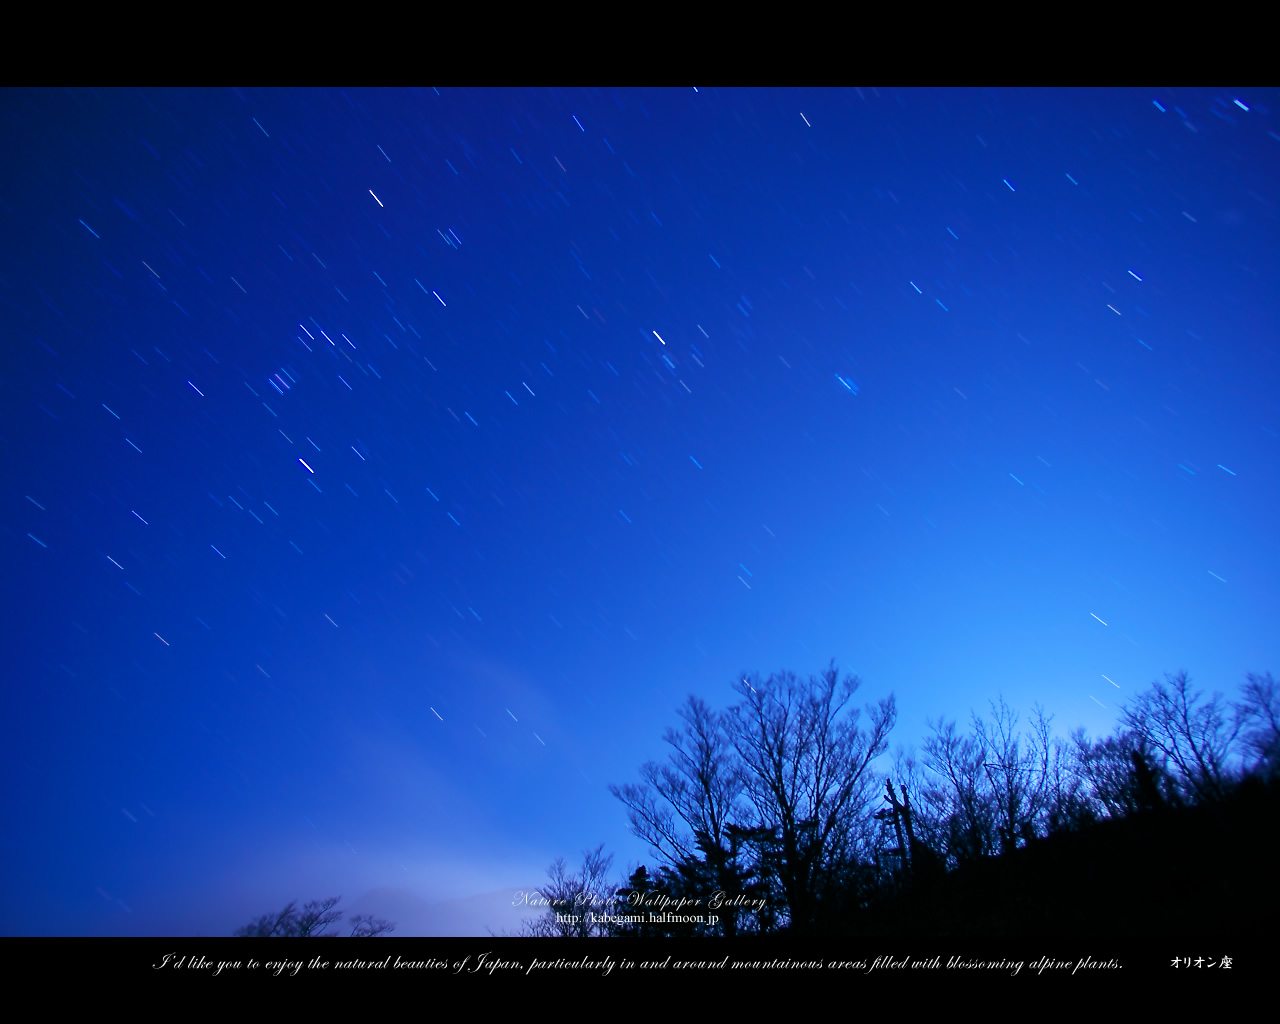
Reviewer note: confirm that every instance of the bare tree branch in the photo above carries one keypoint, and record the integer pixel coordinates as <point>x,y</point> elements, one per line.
<point>1194,739</point>
<point>312,921</point>
<point>1259,718</point>
<point>702,787</point>
<point>808,773</point>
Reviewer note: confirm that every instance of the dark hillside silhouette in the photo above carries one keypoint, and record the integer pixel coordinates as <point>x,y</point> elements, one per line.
<point>1166,828</point>
<point>1201,871</point>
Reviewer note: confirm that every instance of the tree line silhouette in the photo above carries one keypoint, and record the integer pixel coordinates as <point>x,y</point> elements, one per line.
<point>317,919</point>
<point>776,804</point>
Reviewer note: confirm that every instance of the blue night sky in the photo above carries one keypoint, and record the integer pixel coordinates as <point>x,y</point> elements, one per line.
<point>383,468</point>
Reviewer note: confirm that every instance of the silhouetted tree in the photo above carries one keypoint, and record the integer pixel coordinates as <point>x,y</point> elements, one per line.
<point>1105,767</point>
<point>911,858</point>
<point>578,903</point>
<point>1017,769</point>
<point>759,847</point>
<point>1259,714</point>
<point>767,800</point>
<point>1193,739</point>
<point>808,774</point>
<point>643,897</point>
<point>313,921</point>
<point>1068,805</point>
<point>909,777</point>
<point>958,794</point>
<point>1144,783</point>
<point>685,809</point>
<point>698,791</point>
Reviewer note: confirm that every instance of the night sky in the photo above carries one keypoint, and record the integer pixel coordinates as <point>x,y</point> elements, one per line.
<point>384,467</point>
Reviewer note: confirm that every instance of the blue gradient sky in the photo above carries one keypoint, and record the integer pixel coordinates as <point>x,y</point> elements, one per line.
<point>382,468</point>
